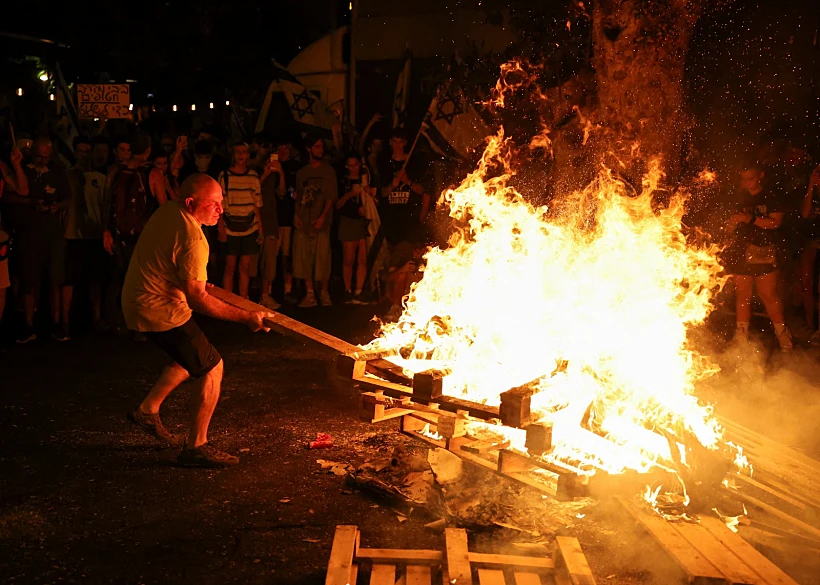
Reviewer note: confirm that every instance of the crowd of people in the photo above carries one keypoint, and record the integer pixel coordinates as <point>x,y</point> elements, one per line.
<point>296,213</point>
<point>301,214</point>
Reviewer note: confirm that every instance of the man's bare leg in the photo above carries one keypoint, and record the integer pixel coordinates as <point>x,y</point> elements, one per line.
<point>171,378</point>
<point>204,397</point>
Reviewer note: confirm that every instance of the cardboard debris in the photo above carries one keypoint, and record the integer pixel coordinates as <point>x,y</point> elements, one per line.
<point>447,467</point>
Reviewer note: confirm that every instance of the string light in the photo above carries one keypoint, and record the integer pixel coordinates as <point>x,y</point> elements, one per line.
<point>193,107</point>
<point>51,97</point>
<point>212,105</point>
<point>227,102</point>
<point>174,107</point>
<point>130,107</point>
<point>44,76</point>
<point>19,91</point>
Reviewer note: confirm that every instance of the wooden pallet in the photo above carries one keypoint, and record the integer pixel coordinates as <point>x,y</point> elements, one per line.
<point>420,421</point>
<point>456,565</point>
<point>708,552</point>
<point>784,483</point>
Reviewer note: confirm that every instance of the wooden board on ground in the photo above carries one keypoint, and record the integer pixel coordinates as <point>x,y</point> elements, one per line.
<point>708,552</point>
<point>455,565</point>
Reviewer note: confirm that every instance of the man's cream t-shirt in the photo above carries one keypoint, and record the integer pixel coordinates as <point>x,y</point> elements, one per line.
<point>170,250</point>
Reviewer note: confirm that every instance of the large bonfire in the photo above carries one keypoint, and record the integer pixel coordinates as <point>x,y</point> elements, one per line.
<point>592,296</point>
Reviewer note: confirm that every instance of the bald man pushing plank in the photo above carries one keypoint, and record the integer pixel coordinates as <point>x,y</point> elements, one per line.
<point>164,285</point>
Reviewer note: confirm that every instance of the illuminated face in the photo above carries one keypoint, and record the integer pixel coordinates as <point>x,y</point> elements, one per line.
<point>123,152</point>
<point>751,180</point>
<point>202,162</point>
<point>207,208</point>
<point>82,153</point>
<point>99,155</point>
<point>398,143</point>
<point>353,166</point>
<point>317,150</point>
<point>283,150</point>
<point>41,153</point>
<point>241,154</point>
<point>161,162</point>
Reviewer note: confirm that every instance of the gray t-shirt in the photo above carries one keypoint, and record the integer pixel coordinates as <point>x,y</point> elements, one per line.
<point>315,186</point>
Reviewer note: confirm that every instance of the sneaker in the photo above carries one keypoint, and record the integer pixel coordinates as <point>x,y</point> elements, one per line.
<point>785,339</point>
<point>324,298</point>
<point>59,333</point>
<point>152,424</point>
<point>268,302</point>
<point>206,456</point>
<point>308,301</point>
<point>27,335</point>
<point>360,299</point>
<point>290,298</point>
<point>348,298</point>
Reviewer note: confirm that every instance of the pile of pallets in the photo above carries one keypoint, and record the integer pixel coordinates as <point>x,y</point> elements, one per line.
<point>426,414</point>
<point>456,565</point>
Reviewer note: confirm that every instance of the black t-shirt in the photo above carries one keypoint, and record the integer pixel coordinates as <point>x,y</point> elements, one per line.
<point>49,188</point>
<point>400,209</point>
<point>762,204</point>
<point>351,206</point>
<point>286,206</point>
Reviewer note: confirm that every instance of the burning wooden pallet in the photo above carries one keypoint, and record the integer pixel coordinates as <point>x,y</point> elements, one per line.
<point>456,565</point>
<point>784,484</point>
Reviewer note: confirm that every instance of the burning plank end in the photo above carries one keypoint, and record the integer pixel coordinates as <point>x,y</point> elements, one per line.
<point>515,407</point>
<point>428,385</point>
<point>539,438</point>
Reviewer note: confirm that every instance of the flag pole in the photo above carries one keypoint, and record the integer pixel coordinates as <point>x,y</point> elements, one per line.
<point>413,147</point>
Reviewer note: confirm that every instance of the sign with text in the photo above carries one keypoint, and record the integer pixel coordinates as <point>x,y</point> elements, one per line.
<point>103,100</point>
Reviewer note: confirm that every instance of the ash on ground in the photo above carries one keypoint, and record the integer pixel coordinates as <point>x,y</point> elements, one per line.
<point>436,485</point>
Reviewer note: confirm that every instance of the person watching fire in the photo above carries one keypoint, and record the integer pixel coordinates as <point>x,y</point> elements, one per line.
<point>752,255</point>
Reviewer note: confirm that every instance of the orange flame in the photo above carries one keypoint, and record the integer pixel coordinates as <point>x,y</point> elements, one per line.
<point>604,281</point>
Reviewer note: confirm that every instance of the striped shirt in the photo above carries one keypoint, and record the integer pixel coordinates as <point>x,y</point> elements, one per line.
<point>243,195</point>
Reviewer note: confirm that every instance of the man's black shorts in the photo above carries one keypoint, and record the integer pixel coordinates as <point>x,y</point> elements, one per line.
<point>188,346</point>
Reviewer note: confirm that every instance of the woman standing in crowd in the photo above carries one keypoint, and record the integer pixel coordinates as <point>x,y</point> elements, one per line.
<point>353,226</point>
<point>752,255</point>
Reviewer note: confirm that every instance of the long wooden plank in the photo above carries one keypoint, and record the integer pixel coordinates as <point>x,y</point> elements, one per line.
<point>734,568</point>
<point>458,557</point>
<point>684,554</point>
<point>383,575</point>
<point>771,491</point>
<point>418,575</point>
<point>492,561</point>
<point>399,556</point>
<point>763,567</point>
<point>527,578</point>
<point>340,568</point>
<point>283,323</point>
<point>490,577</point>
<point>568,549</point>
<point>808,528</point>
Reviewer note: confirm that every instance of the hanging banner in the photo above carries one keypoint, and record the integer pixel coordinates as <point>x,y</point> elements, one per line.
<point>103,100</point>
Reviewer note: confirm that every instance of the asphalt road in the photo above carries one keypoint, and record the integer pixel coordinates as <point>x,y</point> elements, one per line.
<point>86,498</point>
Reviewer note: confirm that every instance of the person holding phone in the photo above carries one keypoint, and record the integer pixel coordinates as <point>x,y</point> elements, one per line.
<point>353,227</point>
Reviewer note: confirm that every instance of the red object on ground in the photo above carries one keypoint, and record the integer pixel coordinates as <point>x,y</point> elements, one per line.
<point>322,441</point>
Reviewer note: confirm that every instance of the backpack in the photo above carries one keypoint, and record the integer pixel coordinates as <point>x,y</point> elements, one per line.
<point>133,203</point>
<point>236,223</point>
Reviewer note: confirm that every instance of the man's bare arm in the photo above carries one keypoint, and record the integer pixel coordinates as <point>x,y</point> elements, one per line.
<point>202,302</point>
